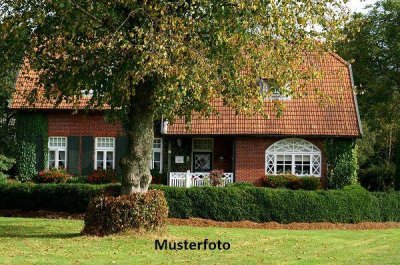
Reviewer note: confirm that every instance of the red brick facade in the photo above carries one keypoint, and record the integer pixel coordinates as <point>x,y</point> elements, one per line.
<point>247,161</point>
<point>250,158</point>
<point>68,124</point>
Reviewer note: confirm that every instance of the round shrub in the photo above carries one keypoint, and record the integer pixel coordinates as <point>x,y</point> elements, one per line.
<point>52,176</point>
<point>108,215</point>
<point>101,176</point>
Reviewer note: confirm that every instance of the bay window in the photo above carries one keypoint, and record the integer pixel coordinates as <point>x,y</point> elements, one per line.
<point>293,156</point>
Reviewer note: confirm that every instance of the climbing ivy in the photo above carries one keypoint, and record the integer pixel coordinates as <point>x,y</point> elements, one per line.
<point>31,136</point>
<point>342,162</point>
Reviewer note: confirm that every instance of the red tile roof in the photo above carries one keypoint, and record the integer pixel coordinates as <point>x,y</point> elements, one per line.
<point>27,80</point>
<point>305,116</point>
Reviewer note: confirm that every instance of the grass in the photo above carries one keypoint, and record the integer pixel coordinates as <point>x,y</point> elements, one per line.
<point>45,241</point>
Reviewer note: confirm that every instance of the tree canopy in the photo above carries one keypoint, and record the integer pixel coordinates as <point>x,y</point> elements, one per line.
<point>148,59</point>
<point>193,50</point>
<point>373,45</point>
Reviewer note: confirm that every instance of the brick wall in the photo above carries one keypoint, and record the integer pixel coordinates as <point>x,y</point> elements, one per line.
<point>250,158</point>
<point>68,124</point>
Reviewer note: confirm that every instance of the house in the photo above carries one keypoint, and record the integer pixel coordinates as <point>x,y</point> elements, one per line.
<point>246,148</point>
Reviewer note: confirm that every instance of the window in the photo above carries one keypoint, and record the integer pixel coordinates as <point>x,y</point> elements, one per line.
<point>202,144</point>
<point>57,152</point>
<point>271,89</point>
<point>105,153</point>
<point>87,93</point>
<point>293,156</point>
<point>156,159</point>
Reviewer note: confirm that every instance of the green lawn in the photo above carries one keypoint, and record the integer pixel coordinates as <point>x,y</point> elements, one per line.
<point>40,241</point>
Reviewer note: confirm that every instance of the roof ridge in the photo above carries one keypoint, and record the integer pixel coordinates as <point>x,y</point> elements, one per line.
<point>339,58</point>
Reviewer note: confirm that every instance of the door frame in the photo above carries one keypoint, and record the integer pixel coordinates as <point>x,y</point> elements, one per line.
<point>211,160</point>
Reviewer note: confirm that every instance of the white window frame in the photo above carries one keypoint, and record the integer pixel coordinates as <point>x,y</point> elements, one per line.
<point>104,150</point>
<point>157,150</point>
<point>293,147</point>
<point>273,94</point>
<point>57,150</point>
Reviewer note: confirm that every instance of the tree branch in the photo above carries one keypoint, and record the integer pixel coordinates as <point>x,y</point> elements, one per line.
<point>90,15</point>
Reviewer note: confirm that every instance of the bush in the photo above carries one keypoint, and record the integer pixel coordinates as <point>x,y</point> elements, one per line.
<point>78,180</point>
<point>310,183</point>
<point>109,215</point>
<point>3,178</point>
<point>216,177</point>
<point>240,184</point>
<point>377,178</point>
<point>101,176</point>
<point>73,198</point>
<point>350,205</point>
<point>5,165</point>
<point>292,182</point>
<point>52,176</point>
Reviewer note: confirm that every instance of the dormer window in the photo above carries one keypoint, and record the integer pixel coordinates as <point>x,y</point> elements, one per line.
<point>87,93</point>
<point>271,89</point>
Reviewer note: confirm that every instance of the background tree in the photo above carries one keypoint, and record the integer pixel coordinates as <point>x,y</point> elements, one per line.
<point>148,59</point>
<point>372,44</point>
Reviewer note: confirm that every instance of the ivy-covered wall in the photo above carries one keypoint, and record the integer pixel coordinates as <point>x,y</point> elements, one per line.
<point>342,162</point>
<point>31,149</point>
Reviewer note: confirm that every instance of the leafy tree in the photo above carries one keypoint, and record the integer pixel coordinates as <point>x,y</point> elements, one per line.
<point>397,173</point>
<point>151,59</point>
<point>7,132</point>
<point>372,44</point>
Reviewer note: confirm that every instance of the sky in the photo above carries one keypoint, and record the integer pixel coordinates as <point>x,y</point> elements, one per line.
<point>359,5</point>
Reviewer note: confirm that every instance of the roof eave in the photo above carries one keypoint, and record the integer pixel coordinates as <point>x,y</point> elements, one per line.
<point>355,100</point>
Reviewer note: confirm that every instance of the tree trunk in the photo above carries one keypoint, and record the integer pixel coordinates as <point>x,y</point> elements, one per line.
<point>139,127</point>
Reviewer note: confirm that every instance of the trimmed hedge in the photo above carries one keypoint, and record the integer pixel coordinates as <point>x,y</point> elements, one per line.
<point>351,205</point>
<point>73,198</point>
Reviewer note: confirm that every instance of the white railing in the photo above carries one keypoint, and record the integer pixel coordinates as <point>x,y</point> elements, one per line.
<point>195,179</point>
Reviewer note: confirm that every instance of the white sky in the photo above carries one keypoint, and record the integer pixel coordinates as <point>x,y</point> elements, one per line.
<point>359,5</point>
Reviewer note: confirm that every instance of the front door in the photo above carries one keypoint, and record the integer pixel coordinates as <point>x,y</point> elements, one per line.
<point>202,161</point>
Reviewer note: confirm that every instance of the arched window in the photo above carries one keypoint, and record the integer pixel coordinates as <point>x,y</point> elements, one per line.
<point>293,156</point>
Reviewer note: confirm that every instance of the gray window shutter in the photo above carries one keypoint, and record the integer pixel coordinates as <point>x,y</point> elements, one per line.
<point>87,155</point>
<point>120,151</point>
<point>73,155</point>
<point>39,165</point>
